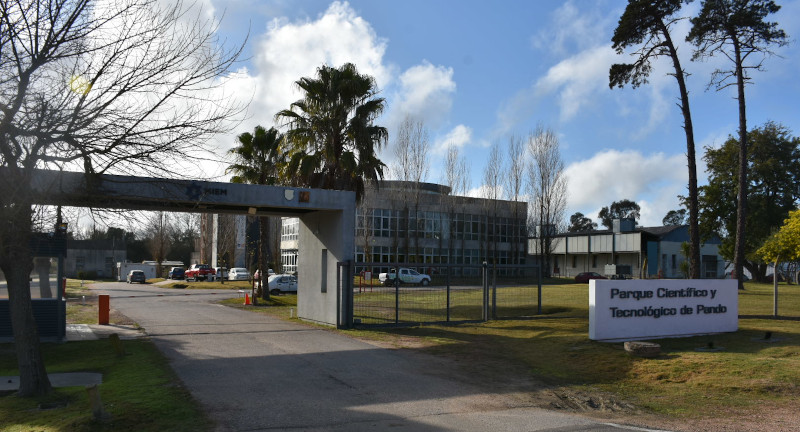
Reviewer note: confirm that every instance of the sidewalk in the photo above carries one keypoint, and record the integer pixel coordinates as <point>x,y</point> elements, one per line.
<point>81,332</point>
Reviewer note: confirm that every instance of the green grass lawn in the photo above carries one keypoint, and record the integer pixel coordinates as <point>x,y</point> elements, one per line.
<point>139,390</point>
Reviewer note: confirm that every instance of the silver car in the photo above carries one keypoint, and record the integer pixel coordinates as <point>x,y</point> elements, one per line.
<point>238,273</point>
<point>282,283</point>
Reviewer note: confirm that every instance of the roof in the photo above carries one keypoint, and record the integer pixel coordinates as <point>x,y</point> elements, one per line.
<point>657,231</point>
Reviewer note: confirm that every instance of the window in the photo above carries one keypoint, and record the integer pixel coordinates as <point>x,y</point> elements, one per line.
<point>574,261</point>
<point>674,262</point>
<point>290,228</point>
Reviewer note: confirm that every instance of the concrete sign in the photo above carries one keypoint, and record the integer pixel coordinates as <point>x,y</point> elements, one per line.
<point>646,309</point>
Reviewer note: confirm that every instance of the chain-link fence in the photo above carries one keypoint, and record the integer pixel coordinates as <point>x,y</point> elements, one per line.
<point>402,294</point>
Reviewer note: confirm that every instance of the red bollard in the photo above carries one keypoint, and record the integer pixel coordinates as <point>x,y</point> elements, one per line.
<point>103,311</point>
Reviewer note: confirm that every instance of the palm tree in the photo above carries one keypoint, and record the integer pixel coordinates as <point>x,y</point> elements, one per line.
<point>331,133</point>
<point>259,159</point>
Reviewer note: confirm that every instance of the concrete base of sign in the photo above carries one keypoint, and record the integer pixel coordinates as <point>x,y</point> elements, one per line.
<point>643,349</point>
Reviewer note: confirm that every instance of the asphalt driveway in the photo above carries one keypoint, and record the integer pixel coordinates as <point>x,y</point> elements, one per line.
<point>258,373</point>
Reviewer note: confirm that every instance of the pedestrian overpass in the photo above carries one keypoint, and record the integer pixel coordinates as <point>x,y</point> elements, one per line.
<point>325,241</point>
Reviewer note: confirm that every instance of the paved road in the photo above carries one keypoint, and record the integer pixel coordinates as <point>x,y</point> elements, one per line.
<point>258,373</point>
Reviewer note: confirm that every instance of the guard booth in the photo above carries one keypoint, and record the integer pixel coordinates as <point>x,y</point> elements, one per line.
<point>47,288</point>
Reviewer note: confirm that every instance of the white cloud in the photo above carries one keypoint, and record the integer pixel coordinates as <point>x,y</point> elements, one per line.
<point>576,82</point>
<point>484,191</point>
<point>290,51</point>
<point>459,136</point>
<point>426,93</point>
<point>653,181</point>
<point>577,79</point>
<point>570,26</point>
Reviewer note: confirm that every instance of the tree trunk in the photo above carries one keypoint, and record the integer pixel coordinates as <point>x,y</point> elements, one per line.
<point>16,262</point>
<point>694,232</point>
<point>263,255</point>
<point>741,208</point>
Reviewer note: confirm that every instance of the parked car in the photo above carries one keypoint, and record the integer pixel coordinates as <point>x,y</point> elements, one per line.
<point>282,283</point>
<point>257,274</point>
<point>200,272</point>
<point>238,273</point>
<point>585,277</point>
<point>220,273</point>
<point>409,276</point>
<point>136,276</point>
<point>176,273</point>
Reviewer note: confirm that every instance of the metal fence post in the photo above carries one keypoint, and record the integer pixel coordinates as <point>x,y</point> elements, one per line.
<point>349,296</point>
<point>485,281</point>
<point>539,291</point>
<point>494,290</point>
<point>397,295</point>
<point>449,269</point>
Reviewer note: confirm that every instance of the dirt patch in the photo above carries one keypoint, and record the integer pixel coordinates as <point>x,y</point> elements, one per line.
<point>514,385</point>
<point>84,310</point>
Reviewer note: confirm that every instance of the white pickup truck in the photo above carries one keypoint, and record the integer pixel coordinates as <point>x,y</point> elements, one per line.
<point>407,276</point>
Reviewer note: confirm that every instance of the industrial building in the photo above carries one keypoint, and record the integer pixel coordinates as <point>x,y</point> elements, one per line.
<point>645,252</point>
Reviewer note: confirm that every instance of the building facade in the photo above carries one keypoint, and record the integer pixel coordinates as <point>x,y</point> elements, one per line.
<point>96,258</point>
<point>423,226</point>
<point>644,252</point>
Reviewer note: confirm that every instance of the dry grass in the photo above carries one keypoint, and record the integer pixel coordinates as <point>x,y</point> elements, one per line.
<point>553,350</point>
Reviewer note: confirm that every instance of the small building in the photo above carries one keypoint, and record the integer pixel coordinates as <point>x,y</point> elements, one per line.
<point>93,258</point>
<point>644,252</point>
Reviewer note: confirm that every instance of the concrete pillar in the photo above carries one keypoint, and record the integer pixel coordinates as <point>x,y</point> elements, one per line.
<point>214,239</point>
<point>41,266</point>
<point>239,257</point>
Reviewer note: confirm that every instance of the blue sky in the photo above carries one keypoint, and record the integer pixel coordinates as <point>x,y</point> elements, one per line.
<point>478,72</point>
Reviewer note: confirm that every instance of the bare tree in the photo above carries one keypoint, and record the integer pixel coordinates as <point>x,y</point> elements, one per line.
<point>548,187</point>
<point>411,148</point>
<point>159,231</point>
<point>456,177</point>
<point>515,182</point>
<point>453,177</point>
<point>492,191</point>
<point>111,86</point>
<point>364,221</point>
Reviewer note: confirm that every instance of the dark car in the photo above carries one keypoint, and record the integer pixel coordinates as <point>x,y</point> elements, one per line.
<point>587,276</point>
<point>136,276</point>
<point>176,273</point>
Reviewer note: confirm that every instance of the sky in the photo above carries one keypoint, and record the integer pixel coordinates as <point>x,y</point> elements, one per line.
<point>478,72</point>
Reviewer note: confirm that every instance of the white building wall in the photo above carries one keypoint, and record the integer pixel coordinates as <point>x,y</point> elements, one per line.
<point>603,243</point>
<point>578,244</point>
<point>558,246</point>
<point>629,242</point>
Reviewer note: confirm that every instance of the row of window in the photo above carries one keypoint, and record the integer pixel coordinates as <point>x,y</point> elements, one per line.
<point>428,224</point>
<point>388,254</point>
<point>290,228</point>
<point>289,260</point>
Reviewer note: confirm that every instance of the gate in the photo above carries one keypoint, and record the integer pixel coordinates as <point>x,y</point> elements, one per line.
<point>441,293</point>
